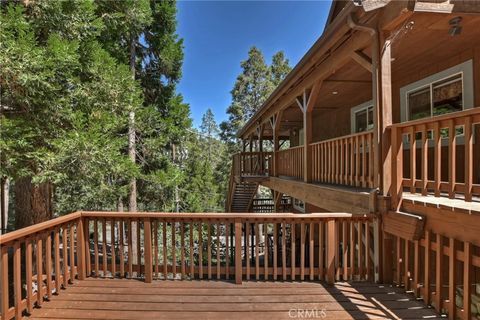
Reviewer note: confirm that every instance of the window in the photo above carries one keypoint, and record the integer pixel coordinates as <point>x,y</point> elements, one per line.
<point>447,91</point>
<point>299,205</point>
<point>440,97</point>
<point>362,117</point>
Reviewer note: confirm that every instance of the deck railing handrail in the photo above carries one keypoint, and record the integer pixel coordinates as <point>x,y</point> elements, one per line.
<point>179,246</point>
<point>440,135</point>
<point>353,135</point>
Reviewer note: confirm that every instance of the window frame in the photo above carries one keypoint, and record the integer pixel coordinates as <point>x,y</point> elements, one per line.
<point>359,108</point>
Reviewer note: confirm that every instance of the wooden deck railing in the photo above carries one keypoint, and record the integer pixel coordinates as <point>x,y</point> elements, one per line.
<point>425,143</point>
<point>180,246</point>
<point>291,162</point>
<point>346,160</point>
<point>252,163</point>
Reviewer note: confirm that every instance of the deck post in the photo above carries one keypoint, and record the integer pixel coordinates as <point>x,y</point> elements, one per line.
<point>238,252</point>
<point>331,250</point>
<point>275,123</point>
<point>147,233</point>
<point>82,250</point>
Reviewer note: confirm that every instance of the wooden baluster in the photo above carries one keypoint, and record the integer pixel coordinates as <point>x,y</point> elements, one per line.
<point>367,251</point>
<point>335,161</point>
<point>17,280</point>
<point>238,252</point>
<point>364,162</point>
<point>121,253</point>
<point>302,251</point>
<point>65,256</point>
<point>29,274</point>
<point>130,247</point>
<point>345,250</point>
<point>72,252</point>
<point>104,247</point>
<point>406,265</point>
<point>217,235</point>
<point>284,250</point>
<point>155,246</point>
<point>265,250</point>
<point>48,264</point>
<point>4,281</point>
<point>437,161</point>
<point>468,159</point>
<point>370,160</point>
<point>424,160</point>
<point>257,251</point>
<point>247,249</point>
<point>147,244</point>
<point>200,250</point>
<point>311,246</point>
<point>361,253</point>
<point>321,244</point>
<point>58,272</point>
<point>192,261</point>
<point>413,159</point>
<point>182,249</point>
<point>112,248</point>
<point>416,266</point>
<point>452,147</point>
<point>397,168</point>
<point>467,280</point>
<point>139,249</point>
<point>399,261</point>
<point>174,251</point>
<point>357,161</point>
<point>227,257</point>
<point>352,251</point>
<point>439,274</point>
<point>292,239</point>
<point>95,247</point>
<point>39,256</point>
<point>275,250</point>
<point>426,284</point>
<point>342,164</point>
<point>452,283</point>
<point>352,161</point>
<point>209,251</point>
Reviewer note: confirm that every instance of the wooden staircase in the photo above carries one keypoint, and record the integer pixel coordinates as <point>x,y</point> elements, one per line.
<point>248,169</point>
<point>242,196</point>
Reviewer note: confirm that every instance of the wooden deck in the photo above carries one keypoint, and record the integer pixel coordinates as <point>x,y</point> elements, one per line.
<point>133,299</point>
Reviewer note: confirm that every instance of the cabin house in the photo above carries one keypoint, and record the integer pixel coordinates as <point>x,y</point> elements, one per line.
<point>370,150</point>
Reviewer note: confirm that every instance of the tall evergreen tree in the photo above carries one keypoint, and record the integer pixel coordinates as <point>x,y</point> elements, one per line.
<point>279,68</point>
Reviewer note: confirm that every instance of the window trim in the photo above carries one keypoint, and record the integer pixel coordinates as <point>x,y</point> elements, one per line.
<point>353,111</point>
<point>466,71</point>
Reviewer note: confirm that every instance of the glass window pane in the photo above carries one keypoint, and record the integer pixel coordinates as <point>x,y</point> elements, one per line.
<point>447,95</point>
<point>370,118</point>
<point>361,121</point>
<point>419,104</point>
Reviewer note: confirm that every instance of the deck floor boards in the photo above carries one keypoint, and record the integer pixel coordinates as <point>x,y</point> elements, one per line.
<point>133,299</point>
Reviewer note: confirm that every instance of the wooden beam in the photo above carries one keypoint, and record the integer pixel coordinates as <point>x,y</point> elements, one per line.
<point>362,59</point>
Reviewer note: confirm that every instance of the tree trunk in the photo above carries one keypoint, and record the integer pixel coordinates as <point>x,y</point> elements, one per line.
<point>4,203</point>
<point>132,199</point>
<point>33,202</point>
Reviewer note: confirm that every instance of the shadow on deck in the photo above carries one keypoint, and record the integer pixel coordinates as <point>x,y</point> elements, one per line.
<point>197,299</point>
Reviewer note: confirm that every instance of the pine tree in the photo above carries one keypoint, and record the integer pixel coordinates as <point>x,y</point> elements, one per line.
<point>279,68</point>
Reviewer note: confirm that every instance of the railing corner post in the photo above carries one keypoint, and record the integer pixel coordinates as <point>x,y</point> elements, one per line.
<point>238,252</point>
<point>331,251</point>
<point>148,250</point>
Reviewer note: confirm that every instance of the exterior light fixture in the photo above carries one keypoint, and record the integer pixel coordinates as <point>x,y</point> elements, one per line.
<point>370,5</point>
<point>334,92</point>
<point>455,27</point>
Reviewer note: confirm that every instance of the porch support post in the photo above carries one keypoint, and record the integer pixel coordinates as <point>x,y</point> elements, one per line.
<point>386,117</point>
<point>261,164</point>
<point>277,200</point>
<point>306,105</point>
<point>275,123</point>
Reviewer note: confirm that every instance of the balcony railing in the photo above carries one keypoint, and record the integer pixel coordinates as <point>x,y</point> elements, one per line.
<point>436,156</point>
<point>39,261</point>
<point>346,160</point>
<point>291,162</point>
<point>252,163</point>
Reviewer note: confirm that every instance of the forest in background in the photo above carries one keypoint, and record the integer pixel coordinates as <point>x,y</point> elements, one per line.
<point>90,117</point>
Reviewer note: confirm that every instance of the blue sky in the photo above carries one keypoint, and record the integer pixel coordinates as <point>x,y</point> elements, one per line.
<point>218,34</point>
